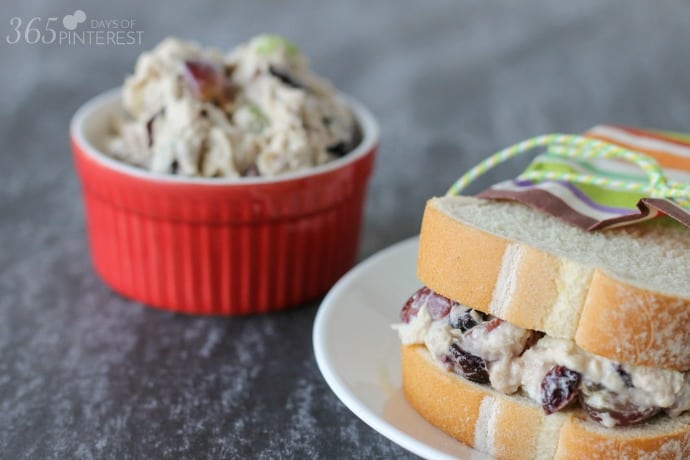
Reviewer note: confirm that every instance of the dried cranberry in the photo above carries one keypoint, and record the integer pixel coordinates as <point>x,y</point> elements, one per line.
<point>229,92</point>
<point>558,388</point>
<point>410,308</point>
<point>285,78</point>
<point>493,324</point>
<point>472,367</point>
<point>204,78</point>
<point>437,305</point>
<point>533,338</point>
<point>625,376</point>
<point>149,131</point>
<point>622,414</point>
<point>464,318</point>
<point>339,149</point>
<point>208,82</point>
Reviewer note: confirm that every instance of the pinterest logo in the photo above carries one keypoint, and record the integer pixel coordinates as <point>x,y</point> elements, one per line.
<point>39,30</point>
<point>71,21</point>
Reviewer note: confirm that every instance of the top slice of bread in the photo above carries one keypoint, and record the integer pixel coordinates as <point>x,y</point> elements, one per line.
<point>620,293</point>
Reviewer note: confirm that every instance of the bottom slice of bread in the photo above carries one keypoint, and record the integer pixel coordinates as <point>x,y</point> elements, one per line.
<point>514,427</point>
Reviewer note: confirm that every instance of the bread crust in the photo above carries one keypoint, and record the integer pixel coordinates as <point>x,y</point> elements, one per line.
<point>565,299</point>
<point>632,325</point>
<point>518,428</point>
<point>581,438</point>
<point>471,413</point>
<point>464,266</point>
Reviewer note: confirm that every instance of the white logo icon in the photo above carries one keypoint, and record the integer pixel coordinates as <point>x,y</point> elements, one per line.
<point>71,21</point>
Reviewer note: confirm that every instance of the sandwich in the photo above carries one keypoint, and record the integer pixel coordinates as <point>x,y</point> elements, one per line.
<point>532,338</point>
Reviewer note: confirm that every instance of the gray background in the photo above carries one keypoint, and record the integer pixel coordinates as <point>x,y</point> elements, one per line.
<point>87,374</point>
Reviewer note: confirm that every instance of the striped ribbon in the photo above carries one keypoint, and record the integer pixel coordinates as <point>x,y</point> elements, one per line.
<point>572,146</point>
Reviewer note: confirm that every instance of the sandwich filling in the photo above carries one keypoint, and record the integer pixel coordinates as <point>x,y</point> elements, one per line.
<point>553,372</point>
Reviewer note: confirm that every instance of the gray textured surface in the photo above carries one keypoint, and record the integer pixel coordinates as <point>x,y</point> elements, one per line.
<point>87,374</point>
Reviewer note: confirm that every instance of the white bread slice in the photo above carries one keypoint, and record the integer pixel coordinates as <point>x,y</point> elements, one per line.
<point>514,427</point>
<point>620,293</point>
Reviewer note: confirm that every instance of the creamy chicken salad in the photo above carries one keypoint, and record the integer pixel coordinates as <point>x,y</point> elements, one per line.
<point>552,372</point>
<point>258,111</point>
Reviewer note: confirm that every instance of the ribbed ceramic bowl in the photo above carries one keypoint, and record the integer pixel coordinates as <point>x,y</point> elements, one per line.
<point>219,246</point>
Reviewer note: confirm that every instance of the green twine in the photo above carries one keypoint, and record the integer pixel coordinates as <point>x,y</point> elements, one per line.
<point>571,146</point>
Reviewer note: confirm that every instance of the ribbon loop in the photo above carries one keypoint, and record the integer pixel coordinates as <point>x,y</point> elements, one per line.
<point>579,147</point>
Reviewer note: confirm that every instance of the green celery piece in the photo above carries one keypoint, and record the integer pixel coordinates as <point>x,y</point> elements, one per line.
<point>268,44</point>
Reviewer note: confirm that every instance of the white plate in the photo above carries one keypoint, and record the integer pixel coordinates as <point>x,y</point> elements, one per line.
<point>358,352</point>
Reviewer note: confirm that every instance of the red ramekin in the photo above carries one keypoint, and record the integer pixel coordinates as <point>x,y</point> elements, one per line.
<point>219,246</point>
